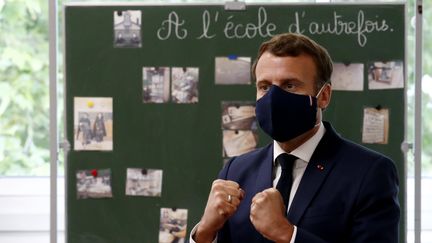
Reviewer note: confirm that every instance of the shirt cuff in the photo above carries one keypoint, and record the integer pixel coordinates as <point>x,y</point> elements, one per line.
<point>293,235</point>
<point>193,231</point>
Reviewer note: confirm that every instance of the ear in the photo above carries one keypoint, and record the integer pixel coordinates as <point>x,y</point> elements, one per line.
<point>325,96</point>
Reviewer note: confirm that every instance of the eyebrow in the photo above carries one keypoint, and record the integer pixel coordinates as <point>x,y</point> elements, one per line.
<point>284,81</point>
<point>291,80</point>
<point>262,81</point>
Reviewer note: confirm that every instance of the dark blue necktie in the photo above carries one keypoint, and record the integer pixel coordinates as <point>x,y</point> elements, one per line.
<point>284,184</point>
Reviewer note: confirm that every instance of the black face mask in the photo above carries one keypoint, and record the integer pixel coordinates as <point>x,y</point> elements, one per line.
<point>284,115</point>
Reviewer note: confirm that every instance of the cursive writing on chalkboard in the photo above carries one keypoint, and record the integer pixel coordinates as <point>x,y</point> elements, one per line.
<point>235,28</point>
<point>206,24</point>
<point>172,25</point>
<point>361,27</point>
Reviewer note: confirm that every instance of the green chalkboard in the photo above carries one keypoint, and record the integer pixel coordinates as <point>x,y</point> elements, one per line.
<point>184,140</point>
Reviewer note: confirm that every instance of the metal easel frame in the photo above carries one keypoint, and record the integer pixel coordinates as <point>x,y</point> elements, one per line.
<point>53,135</point>
<point>418,119</point>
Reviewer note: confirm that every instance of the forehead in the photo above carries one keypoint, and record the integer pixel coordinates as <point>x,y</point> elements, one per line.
<point>275,68</point>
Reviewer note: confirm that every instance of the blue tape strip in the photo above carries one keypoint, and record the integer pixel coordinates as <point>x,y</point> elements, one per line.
<point>232,57</point>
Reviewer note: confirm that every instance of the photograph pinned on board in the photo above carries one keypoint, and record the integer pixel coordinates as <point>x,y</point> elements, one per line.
<point>127,28</point>
<point>184,84</point>
<point>173,225</point>
<point>386,75</point>
<point>375,125</point>
<point>233,70</point>
<point>156,84</point>
<point>93,183</point>
<point>144,182</point>
<point>347,77</point>
<point>238,115</point>
<point>93,123</point>
<point>238,142</point>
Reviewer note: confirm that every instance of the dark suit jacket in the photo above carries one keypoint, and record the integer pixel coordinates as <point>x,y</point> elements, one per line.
<point>353,199</point>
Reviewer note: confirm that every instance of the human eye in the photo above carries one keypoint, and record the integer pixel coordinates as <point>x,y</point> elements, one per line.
<point>263,87</point>
<point>291,86</point>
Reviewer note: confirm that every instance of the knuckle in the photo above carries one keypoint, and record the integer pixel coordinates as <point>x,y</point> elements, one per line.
<point>218,194</point>
<point>219,186</point>
<point>264,196</point>
<point>273,190</point>
<point>216,182</point>
<point>236,185</point>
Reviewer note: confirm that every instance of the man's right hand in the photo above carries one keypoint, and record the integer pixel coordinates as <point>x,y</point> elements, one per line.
<point>224,198</point>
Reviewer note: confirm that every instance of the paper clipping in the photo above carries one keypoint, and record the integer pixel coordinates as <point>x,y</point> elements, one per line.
<point>347,77</point>
<point>93,123</point>
<point>232,70</point>
<point>238,142</point>
<point>375,125</point>
<point>144,182</point>
<point>156,82</point>
<point>238,115</point>
<point>94,183</point>
<point>184,86</point>
<point>173,225</point>
<point>386,75</point>
<point>127,28</point>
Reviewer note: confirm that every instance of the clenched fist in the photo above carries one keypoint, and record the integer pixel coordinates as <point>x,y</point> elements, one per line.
<point>224,198</point>
<point>267,214</point>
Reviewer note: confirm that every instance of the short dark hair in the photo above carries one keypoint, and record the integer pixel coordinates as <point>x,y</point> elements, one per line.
<point>291,44</point>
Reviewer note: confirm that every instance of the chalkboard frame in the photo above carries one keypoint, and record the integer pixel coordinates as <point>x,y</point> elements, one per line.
<point>70,176</point>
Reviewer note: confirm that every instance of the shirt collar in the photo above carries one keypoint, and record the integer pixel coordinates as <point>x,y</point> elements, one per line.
<point>304,151</point>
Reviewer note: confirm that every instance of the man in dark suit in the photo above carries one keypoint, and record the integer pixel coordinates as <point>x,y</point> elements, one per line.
<point>309,185</point>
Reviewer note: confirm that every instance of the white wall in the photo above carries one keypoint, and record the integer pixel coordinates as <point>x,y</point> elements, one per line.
<point>25,209</point>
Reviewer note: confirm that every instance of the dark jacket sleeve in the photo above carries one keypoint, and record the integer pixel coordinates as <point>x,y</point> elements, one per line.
<point>377,210</point>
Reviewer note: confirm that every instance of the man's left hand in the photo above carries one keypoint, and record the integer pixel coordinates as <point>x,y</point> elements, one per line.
<point>267,214</point>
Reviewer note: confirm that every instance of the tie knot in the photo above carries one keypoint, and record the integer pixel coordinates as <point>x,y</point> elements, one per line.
<point>286,161</point>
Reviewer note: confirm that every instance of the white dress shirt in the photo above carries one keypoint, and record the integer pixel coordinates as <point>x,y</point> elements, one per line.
<point>303,153</point>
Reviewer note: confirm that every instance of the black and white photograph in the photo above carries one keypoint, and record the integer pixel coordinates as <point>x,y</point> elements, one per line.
<point>127,28</point>
<point>232,70</point>
<point>156,84</point>
<point>347,76</point>
<point>238,115</point>
<point>144,182</point>
<point>184,84</point>
<point>93,123</point>
<point>386,75</point>
<point>173,225</point>
<point>94,183</point>
<point>238,142</point>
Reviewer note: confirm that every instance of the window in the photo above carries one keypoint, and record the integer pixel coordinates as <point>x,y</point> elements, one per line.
<point>24,107</point>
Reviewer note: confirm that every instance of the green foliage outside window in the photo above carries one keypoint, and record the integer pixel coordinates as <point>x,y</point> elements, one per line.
<point>24,88</point>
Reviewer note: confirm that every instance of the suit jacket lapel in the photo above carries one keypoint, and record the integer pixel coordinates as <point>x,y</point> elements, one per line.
<point>316,171</point>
